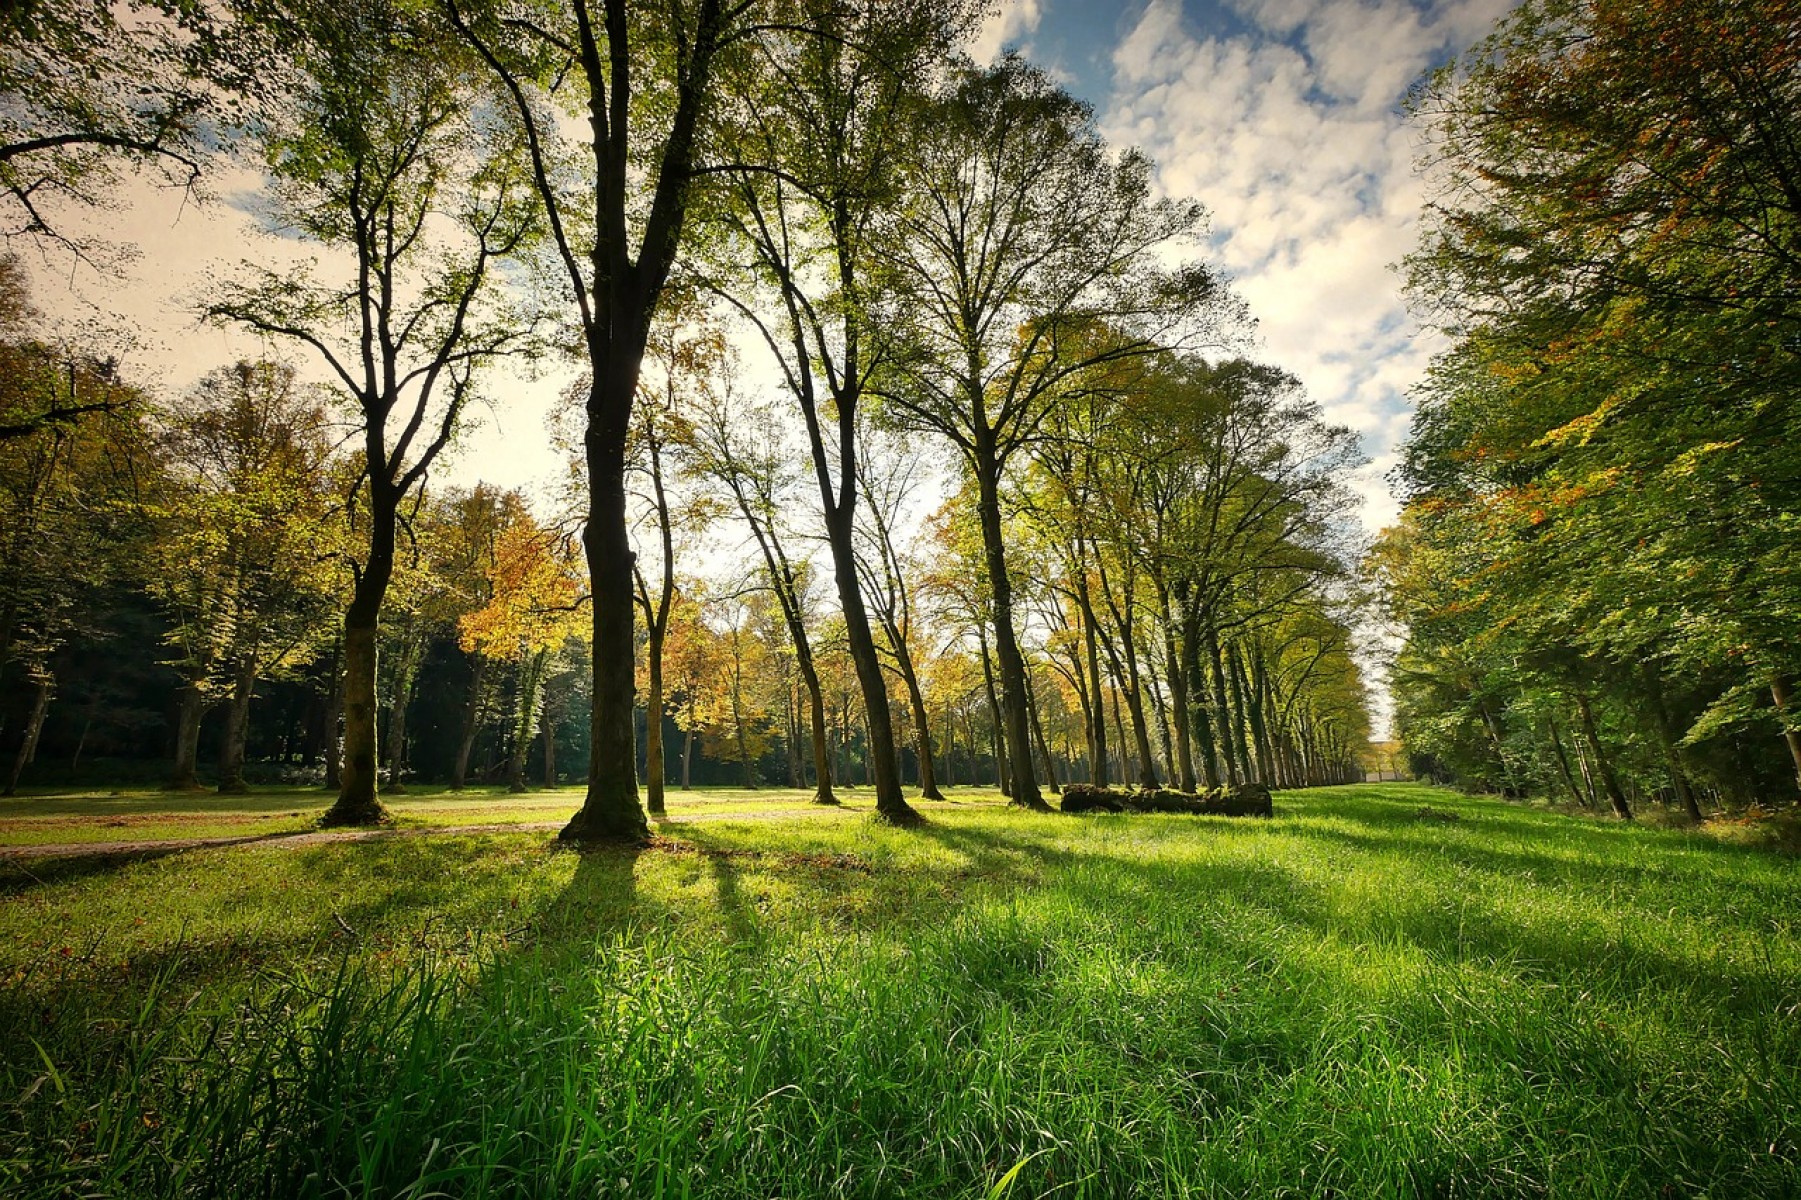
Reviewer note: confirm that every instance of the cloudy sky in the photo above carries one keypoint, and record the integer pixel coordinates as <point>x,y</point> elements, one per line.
<point>1284,118</point>
<point>1281,116</point>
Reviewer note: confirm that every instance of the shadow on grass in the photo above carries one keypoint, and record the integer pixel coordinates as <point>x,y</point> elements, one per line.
<point>1442,916</point>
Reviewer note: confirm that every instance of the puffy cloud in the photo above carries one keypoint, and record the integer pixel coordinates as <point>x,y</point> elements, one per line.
<point>1289,129</point>
<point>1006,26</point>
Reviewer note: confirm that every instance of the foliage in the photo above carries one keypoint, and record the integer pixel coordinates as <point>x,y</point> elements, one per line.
<point>1603,471</point>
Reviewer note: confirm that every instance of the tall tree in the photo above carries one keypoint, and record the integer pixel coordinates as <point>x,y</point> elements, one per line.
<point>383,157</point>
<point>246,564</point>
<point>1028,257</point>
<point>837,109</point>
<point>646,76</point>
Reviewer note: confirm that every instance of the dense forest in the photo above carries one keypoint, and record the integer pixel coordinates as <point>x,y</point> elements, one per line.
<point>1595,569</point>
<point>913,445</point>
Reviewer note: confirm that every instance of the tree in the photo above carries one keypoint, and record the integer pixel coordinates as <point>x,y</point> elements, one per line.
<point>1606,453</point>
<point>88,88</point>
<point>69,506</point>
<point>1028,259</point>
<point>383,157</point>
<point>890,477</point>
<point>647,76</point>
<point>687,374</point>
<point>246,562</point>
<point>531,613</point>
<point>739,444</point>
<point>836,110</point>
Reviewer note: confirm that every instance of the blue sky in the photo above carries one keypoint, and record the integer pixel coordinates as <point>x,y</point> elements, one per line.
<point>1284,118</point>
<point>1281,116</point>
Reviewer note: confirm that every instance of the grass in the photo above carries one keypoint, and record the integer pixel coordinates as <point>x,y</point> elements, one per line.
<point>67,817</point>
<point>1386,990</point>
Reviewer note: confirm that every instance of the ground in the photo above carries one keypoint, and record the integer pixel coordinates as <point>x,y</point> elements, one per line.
<point>1384,990</point>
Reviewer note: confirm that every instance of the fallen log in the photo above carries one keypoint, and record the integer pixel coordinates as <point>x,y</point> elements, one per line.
<point>1246,800</point>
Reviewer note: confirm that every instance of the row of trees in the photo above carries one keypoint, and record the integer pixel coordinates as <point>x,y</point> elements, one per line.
<point>1595,568</point>
<point>925,249</point>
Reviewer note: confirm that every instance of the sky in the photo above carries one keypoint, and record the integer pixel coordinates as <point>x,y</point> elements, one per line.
<point>1283,117</point>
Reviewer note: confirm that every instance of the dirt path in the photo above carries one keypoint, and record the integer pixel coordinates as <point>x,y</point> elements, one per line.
<point>295,839</point>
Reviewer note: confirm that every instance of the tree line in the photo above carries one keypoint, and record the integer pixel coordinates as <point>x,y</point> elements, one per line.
<point>1595,567</point>
<point>1013,485</point>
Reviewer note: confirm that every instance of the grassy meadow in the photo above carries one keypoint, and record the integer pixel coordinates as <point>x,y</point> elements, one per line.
<point>1386,990</point>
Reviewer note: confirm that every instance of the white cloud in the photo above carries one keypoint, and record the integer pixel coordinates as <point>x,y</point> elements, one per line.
<point>1007,26</point>
<point>1291,134</point>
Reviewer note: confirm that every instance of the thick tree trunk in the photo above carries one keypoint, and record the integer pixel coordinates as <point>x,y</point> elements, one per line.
<point>358,802</point>
<point>237,728</point>
<point>882,762</point>
<point>610,811</point>
<point>1007,656</point>
<point>34,727</point>
<point>1609,782</point>
<point>190,707</point>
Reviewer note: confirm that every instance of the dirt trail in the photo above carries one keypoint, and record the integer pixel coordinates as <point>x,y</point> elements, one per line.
<point>295,839</point>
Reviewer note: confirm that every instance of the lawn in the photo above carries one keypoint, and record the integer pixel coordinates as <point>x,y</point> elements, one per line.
<point>64,817</point>
<point>1385,990</point>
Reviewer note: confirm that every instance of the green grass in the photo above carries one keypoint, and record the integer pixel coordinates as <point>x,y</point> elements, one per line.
<point>52,817</point>
<point>1356,998</point>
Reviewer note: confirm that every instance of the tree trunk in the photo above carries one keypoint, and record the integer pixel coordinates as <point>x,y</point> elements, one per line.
<point>237,728</point>
<point>922,724</point>
<point>1001,779</point>
<point>653,726</point>
<point>333,750</point>
<point>1672,755</point>
<point>1493,725</point>
<point>610,810</point>
<point>1563,766</point>
<point>189,709</point>
<point>687,759</point>
<point>357,802</point>
<point>1609,782</point>
<point>34,726</point>
<point>822,756</point>
<point>1222,713</point>
<point>1791,731</point>
<point>1176,673</point>
<point>880,758</point>
<point>472,711</point>
<point>1044,748</point>
<point>548,730</point>
<point>1012,664</point>
<point>406,674</point>
<point>531,676</point>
